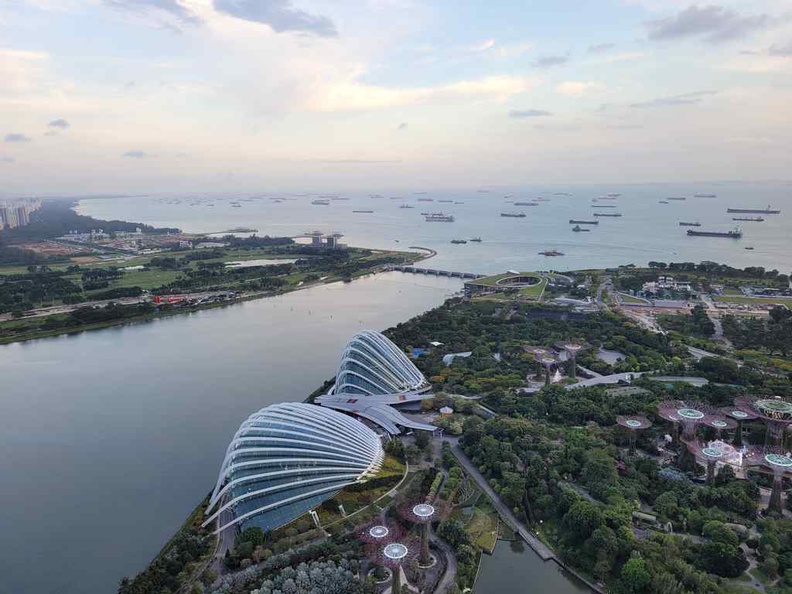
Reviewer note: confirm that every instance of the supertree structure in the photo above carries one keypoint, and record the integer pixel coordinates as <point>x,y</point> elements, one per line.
<point>380,532</point>
<point>688,415</point>
<point>739,416</point>
<point>773,411</point>
<point>719,423</point>
<point>572,348</point>
<point>779,464</point>
<point>421,514</point>
<point>717,451</point>
<point>394,555</point>
<point>633,423</point>
<point>548,363</point>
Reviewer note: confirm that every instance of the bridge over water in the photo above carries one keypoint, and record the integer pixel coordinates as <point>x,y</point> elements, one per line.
<point>434,272</point>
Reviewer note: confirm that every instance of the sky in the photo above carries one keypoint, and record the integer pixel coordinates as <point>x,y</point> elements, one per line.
<point>126,96</point>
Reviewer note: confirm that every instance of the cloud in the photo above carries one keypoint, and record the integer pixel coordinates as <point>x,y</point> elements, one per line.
<point>684,99</point>
<point>711,23</point>
<point>170,7</point>
<point>528,113</point>
<point>135,155</point>
<point>59,123</point>
<point>624,127</point>
<point>780,51</point>
<point>16,137</point>
<point>601,47</point>
<point>402,126</point>
<point>280,15</point>
<point>7,160</point>
<point>512,50</point>
<point>483,46</point>
<point>548,61</point>
<point>576,88</point>
<point>354,96</point>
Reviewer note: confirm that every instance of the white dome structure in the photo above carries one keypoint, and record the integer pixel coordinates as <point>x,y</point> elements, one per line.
<point>372,365</point>
<point>285,460</point>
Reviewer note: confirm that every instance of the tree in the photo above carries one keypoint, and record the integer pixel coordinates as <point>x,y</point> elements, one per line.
<point>634,577</point>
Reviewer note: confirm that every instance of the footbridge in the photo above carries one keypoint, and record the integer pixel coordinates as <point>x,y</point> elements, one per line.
<point>433,272</point>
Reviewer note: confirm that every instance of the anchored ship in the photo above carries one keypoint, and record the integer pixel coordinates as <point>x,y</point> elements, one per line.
<point>526,204</point>
<point>515,215</point>
<point>439,217</point>
<point>735,234</point>
<point>551,253</point>
<point>576,222</point>
<point>578,229</point>
<point>767,210</point>
<point>752,219</point>
<point>684,224</point>
<point>607,214</point>
<point>705,195</point>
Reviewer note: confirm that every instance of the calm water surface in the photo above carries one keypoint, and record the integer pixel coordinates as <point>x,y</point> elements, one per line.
<point>515,569</point>
<point>110,438</point>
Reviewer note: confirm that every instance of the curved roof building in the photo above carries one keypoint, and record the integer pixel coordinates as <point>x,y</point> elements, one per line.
<point>285,460</point>
<point>372,365</point>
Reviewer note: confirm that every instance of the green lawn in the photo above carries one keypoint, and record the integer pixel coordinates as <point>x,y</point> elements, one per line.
<point>482,527</point>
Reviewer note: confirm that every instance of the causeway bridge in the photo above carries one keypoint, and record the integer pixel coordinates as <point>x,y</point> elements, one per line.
<point>433,272</point>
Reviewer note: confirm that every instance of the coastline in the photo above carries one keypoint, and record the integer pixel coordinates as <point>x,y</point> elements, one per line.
<point>6,340</point>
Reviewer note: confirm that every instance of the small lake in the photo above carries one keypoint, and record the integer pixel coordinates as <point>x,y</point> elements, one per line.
<point>514,568</point>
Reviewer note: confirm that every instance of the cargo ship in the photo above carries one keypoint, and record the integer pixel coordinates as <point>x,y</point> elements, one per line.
<point>613,195</point>
<point>526,204</point>
<point>663,201</point>
<point>449,201</point>
<point>551,253</point>
<point>579,229</point>
<point>576,222</point>
<point>476,240</point>
<point>684,224</point>
<point>735,234</point>
<point>406,206</point>
<point>607,214</point>
<point>751,219</point>
<point>439,217</point>
<point>321,202</point>
<point>363,211</point>
<point>603,206</point>
<point>676,198</point>
<point>767,210</point>
<point>458,241</point>
<point>514,215</point>
<point>705,195</point>
<point>425,199</point>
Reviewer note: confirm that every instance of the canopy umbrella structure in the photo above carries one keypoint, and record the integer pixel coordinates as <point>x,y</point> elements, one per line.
<point>775,412</point>
<point>423,514</point>
<point>633,423</point>
<point>739,416</point>
<point>687,415</point>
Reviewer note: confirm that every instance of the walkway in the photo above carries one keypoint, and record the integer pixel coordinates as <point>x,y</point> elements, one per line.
<point>505,513</point>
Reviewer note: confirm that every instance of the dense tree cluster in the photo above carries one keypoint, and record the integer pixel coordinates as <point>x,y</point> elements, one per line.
<point>773,335</point>
<point>327,577</point>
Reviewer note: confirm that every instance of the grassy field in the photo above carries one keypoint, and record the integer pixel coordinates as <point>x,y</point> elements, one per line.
<point>482,527</point>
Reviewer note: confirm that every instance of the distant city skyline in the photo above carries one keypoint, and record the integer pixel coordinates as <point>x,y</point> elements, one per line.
<point>126,96</point>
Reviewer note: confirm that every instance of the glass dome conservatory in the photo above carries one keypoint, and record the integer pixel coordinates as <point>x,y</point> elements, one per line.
<point>285,460</point>
<point>372,365</point>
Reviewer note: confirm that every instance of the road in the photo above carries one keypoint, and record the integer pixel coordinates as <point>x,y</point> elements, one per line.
<point>448,581</point>
<point>605,286</point>
<point>505,513</point>
<point>714,315</point>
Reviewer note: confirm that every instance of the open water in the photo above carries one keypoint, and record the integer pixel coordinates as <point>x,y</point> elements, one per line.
<point>648,230</point>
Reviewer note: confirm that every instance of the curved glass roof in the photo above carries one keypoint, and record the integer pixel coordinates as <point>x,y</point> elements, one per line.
<point>372,364</point>
<point>286,459</point>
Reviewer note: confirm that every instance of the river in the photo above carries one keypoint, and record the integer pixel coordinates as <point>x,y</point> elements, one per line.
<point>110,438</point>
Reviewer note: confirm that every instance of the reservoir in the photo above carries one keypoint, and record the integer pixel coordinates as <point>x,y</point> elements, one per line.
<point>110,438</point>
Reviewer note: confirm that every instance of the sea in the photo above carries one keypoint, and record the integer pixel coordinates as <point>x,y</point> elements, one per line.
<point>110,438</point>
<point>648,229</point>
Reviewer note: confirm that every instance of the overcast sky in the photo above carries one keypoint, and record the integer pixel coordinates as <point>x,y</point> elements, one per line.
<point>166,95</point>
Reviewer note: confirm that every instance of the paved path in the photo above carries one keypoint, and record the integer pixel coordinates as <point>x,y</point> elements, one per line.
<point>505,513</point>
<point>448,580</point>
